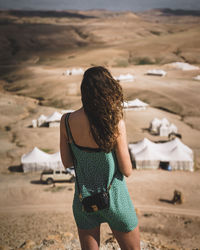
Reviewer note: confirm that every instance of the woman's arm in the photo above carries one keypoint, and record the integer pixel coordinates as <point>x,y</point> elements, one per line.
<point>122,153</point>
<point>65,153</point>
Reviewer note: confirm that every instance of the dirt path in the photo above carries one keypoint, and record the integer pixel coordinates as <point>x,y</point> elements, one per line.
<point>67,208</point>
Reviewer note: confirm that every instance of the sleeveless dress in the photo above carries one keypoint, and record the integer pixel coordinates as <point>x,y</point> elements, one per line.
<point>95,170</point>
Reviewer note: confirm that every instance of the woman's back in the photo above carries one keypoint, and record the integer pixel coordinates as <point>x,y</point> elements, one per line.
<point>80,129</point>
<point>95,168</point>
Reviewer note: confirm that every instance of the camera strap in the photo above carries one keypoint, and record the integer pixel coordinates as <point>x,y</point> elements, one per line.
<point>70,139</point>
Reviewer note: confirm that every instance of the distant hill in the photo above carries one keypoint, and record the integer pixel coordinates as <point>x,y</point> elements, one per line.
<point>180,12</point>
<point>37,13</point>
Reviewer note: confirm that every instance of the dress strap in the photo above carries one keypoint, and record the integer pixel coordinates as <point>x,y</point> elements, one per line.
<point>68,127</point>
<point>69,134</point>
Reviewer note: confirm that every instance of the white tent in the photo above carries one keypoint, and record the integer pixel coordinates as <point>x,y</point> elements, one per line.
<point>135,104</point>
<point>37,160</point>
<point>139,146</point>
<point>156,72</point>
<point>56,160</point>
<point>148,154</point>
<point>56,116</point>
<point>184,66</point>
<point>173,128</point>
<point>155,124</point>
<point>162,127</point>
<point>165,122</point>
<point>34,123</point>
<point>148,158</point>
<point>125,78</point>
<point>197,78</point>
<point>41,120</point>
<point>164,130</point>
<point>74,71</point>
<point>54,119</point>
<point>178,143</point>
<point>180,160</point>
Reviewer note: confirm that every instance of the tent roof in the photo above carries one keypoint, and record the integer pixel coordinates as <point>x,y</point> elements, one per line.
<point>164,126</point>
<point>55,157</point>
<point>157,72</point>
<point>179,154</point>
<point>184,66</point>
<point>36,155</point>
<point>74,71</point>
<point>135,103</point>
<point>148,153</point>
<point>197,78</point>
<point>56,116</point>
<point>137,147</point>
<point>156,121</point>
<point>162,149</point>
<point>125,78</point>
<point>172,126</point>
<point>164,121</point>
<point>43,117</point>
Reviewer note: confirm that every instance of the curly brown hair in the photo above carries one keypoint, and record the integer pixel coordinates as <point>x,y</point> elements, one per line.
<point>102,99</point>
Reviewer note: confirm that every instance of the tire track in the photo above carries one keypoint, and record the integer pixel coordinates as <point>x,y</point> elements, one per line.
<point>65,207</point>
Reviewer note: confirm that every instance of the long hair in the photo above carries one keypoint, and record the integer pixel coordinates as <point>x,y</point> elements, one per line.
<point>102,99</point>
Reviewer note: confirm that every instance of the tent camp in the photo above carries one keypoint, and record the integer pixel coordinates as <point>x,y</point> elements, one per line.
<point>183,66</point>
<point>162,127</point>
<point>163,130</point>
<point>180,159</point>
<point>150,155</point>
<point>34,123</point>
<point>41,120</point>
<point>125,78</point>
<point>165,122</point>
<point>147,158</point>
<point>197,78</point>
<point>37,160</point>
<point>168,146</point>
<point>139,146</point>
<point>74,71</point>
<point>156,72</point>
<point>154,125</point>
<point>54,119</point>
<point>173,128</point>
<point>135,104</point>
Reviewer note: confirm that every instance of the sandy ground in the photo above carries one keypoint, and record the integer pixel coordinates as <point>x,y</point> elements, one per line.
<point>31,211</point>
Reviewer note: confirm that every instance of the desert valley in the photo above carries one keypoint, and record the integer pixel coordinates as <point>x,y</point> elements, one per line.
<point>36,50</point>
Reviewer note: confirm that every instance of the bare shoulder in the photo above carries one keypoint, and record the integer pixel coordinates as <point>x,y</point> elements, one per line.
<point>63,126</point>
<point>78,117</point>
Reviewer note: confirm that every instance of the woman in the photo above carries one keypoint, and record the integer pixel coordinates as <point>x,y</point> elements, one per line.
<point>97,137</point>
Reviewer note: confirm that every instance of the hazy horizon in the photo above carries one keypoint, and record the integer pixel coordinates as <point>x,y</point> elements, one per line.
<point>113,5</point>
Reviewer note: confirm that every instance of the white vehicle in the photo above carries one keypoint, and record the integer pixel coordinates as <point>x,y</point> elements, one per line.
<point>51,176</point>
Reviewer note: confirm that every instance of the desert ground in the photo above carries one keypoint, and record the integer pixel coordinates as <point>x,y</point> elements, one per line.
<point>36,50</point>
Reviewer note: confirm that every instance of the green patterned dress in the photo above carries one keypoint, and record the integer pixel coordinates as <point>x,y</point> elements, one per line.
<point>95,170</point>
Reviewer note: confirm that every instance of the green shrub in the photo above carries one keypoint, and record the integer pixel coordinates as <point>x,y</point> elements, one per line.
<point>143,61</point>
<point>46,150</point>
<point>121,63</point>
<point>154,32</point>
